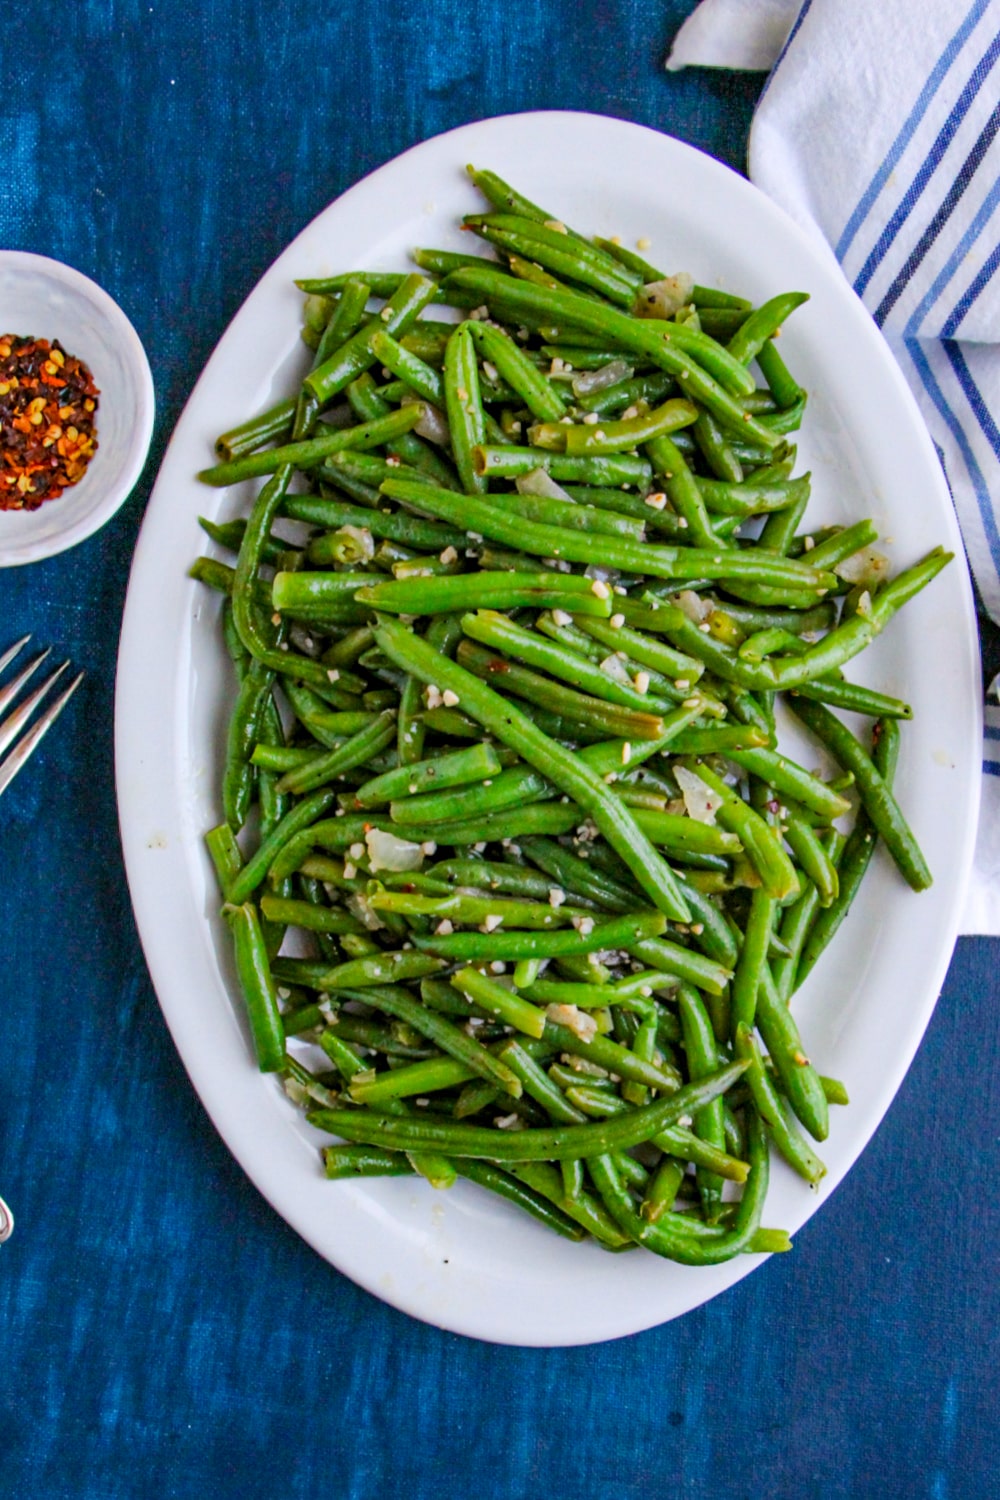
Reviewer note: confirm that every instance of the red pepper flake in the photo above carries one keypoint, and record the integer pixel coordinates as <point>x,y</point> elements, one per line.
<point>48,426</point>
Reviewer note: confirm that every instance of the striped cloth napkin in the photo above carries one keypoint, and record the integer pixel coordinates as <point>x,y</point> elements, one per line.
<point>877,131</point>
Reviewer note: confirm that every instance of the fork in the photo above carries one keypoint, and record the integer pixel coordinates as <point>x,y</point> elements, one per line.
<point>14,728</point>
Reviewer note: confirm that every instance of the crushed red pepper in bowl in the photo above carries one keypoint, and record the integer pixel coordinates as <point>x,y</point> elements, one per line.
<point>48,427</point>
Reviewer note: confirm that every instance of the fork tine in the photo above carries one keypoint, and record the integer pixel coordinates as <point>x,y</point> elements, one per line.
<point>12,726</point>
<point>12,651</point>
<point>17,757</point>
<point>10,692</point>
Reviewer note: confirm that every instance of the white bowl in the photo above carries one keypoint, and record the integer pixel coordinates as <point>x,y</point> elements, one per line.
<point>45,299</point>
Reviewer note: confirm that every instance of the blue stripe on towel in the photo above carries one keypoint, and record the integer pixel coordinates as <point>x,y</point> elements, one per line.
<point>954,426</point>
<point>982,278</point>
<point>789,39</point>
<point>906,134</point>
<point>972,394</point>
<point>928,166</point>
<point>963,177</point>
<point>982,217</point>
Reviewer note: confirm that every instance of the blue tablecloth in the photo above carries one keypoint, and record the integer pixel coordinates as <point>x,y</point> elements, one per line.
<point>162,1331</point>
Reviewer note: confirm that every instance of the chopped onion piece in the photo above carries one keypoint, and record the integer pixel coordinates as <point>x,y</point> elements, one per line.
<point>578,1021</point>
<point>362,542</point>
<point>360,907</point>
<point>696,608</point>
<point>613,666</point>
<point>387,852</point>
<point>538,482</point>
<point>432,424</point>
<point>661,299</point>
<point>613,373</point>
<point>699,800</point>
<point>865,566</point>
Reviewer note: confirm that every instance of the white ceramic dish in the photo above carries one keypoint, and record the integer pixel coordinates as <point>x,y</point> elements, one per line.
<point>48,300</point>
<point>459,1259</point>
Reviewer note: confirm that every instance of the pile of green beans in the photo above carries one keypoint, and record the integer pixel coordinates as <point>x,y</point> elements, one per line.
<point>521,886</point>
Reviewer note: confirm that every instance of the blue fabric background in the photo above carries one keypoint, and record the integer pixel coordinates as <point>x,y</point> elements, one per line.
<point>161,1330</point>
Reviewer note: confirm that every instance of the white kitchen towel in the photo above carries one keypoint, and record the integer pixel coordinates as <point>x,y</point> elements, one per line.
<point>877,130</point>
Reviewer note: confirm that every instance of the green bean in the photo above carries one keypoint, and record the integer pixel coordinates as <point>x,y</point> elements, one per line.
<point>512,462</point>
<point>557,1143</point>
<point>406,302</point>
<point>582,1207</point>
<point>475,910</point>
<point>537,1083</point>
<point>397,526</point>
<point>564,653</point>
<point>670,1236</point>
<point>719,739</point>
<point>783,387</point>
<point>703,1059</point>
<point>517,786</point>
<point>752,958</point>
<point>589,518</point>
<point>682,963</point>
<point>632,993</point>
<point>617,932</point>
<point>378,969</point>
<point>791,780</point>
<point>715,449</point>
<point>661,1194</point>
<point>647,650</point>
<point>611,719</point>
<point>494,999</point>
<point>409,367</point>
<point>355,751</point>
<point>683,491</point>
<point>676,1140</point>
<point>493,629</point>
<point>307,454</point>
<point>483,590</point>
<point>274,423</point>
<point>768,1103</point>
<point>457,769</point>
<point>813,858</point>
<point>754,497</point>
<point>230,534</point>
<point>536,391</point>
<point>762,847</point>
<point>238,775</point>
<point>591,439</point>
<point>762,324</point>
<point>351,1162</point>
<point>876,797</point>
<point>855,699</point>
<point>779,529</point>
<point>258,988</point>
<point>855,859</point>
<point>575,259</point>
<point>618,552</point>
<point>463,404</point>
<point>398,1002</point>
<point>254,871</point>
<point>658,342</point>
<point>797,1074</point>
<point>843,544</point>
<point>411,450</point>
<point>504,197</point>
<point>522,1195</point>
<point>227,861</point>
